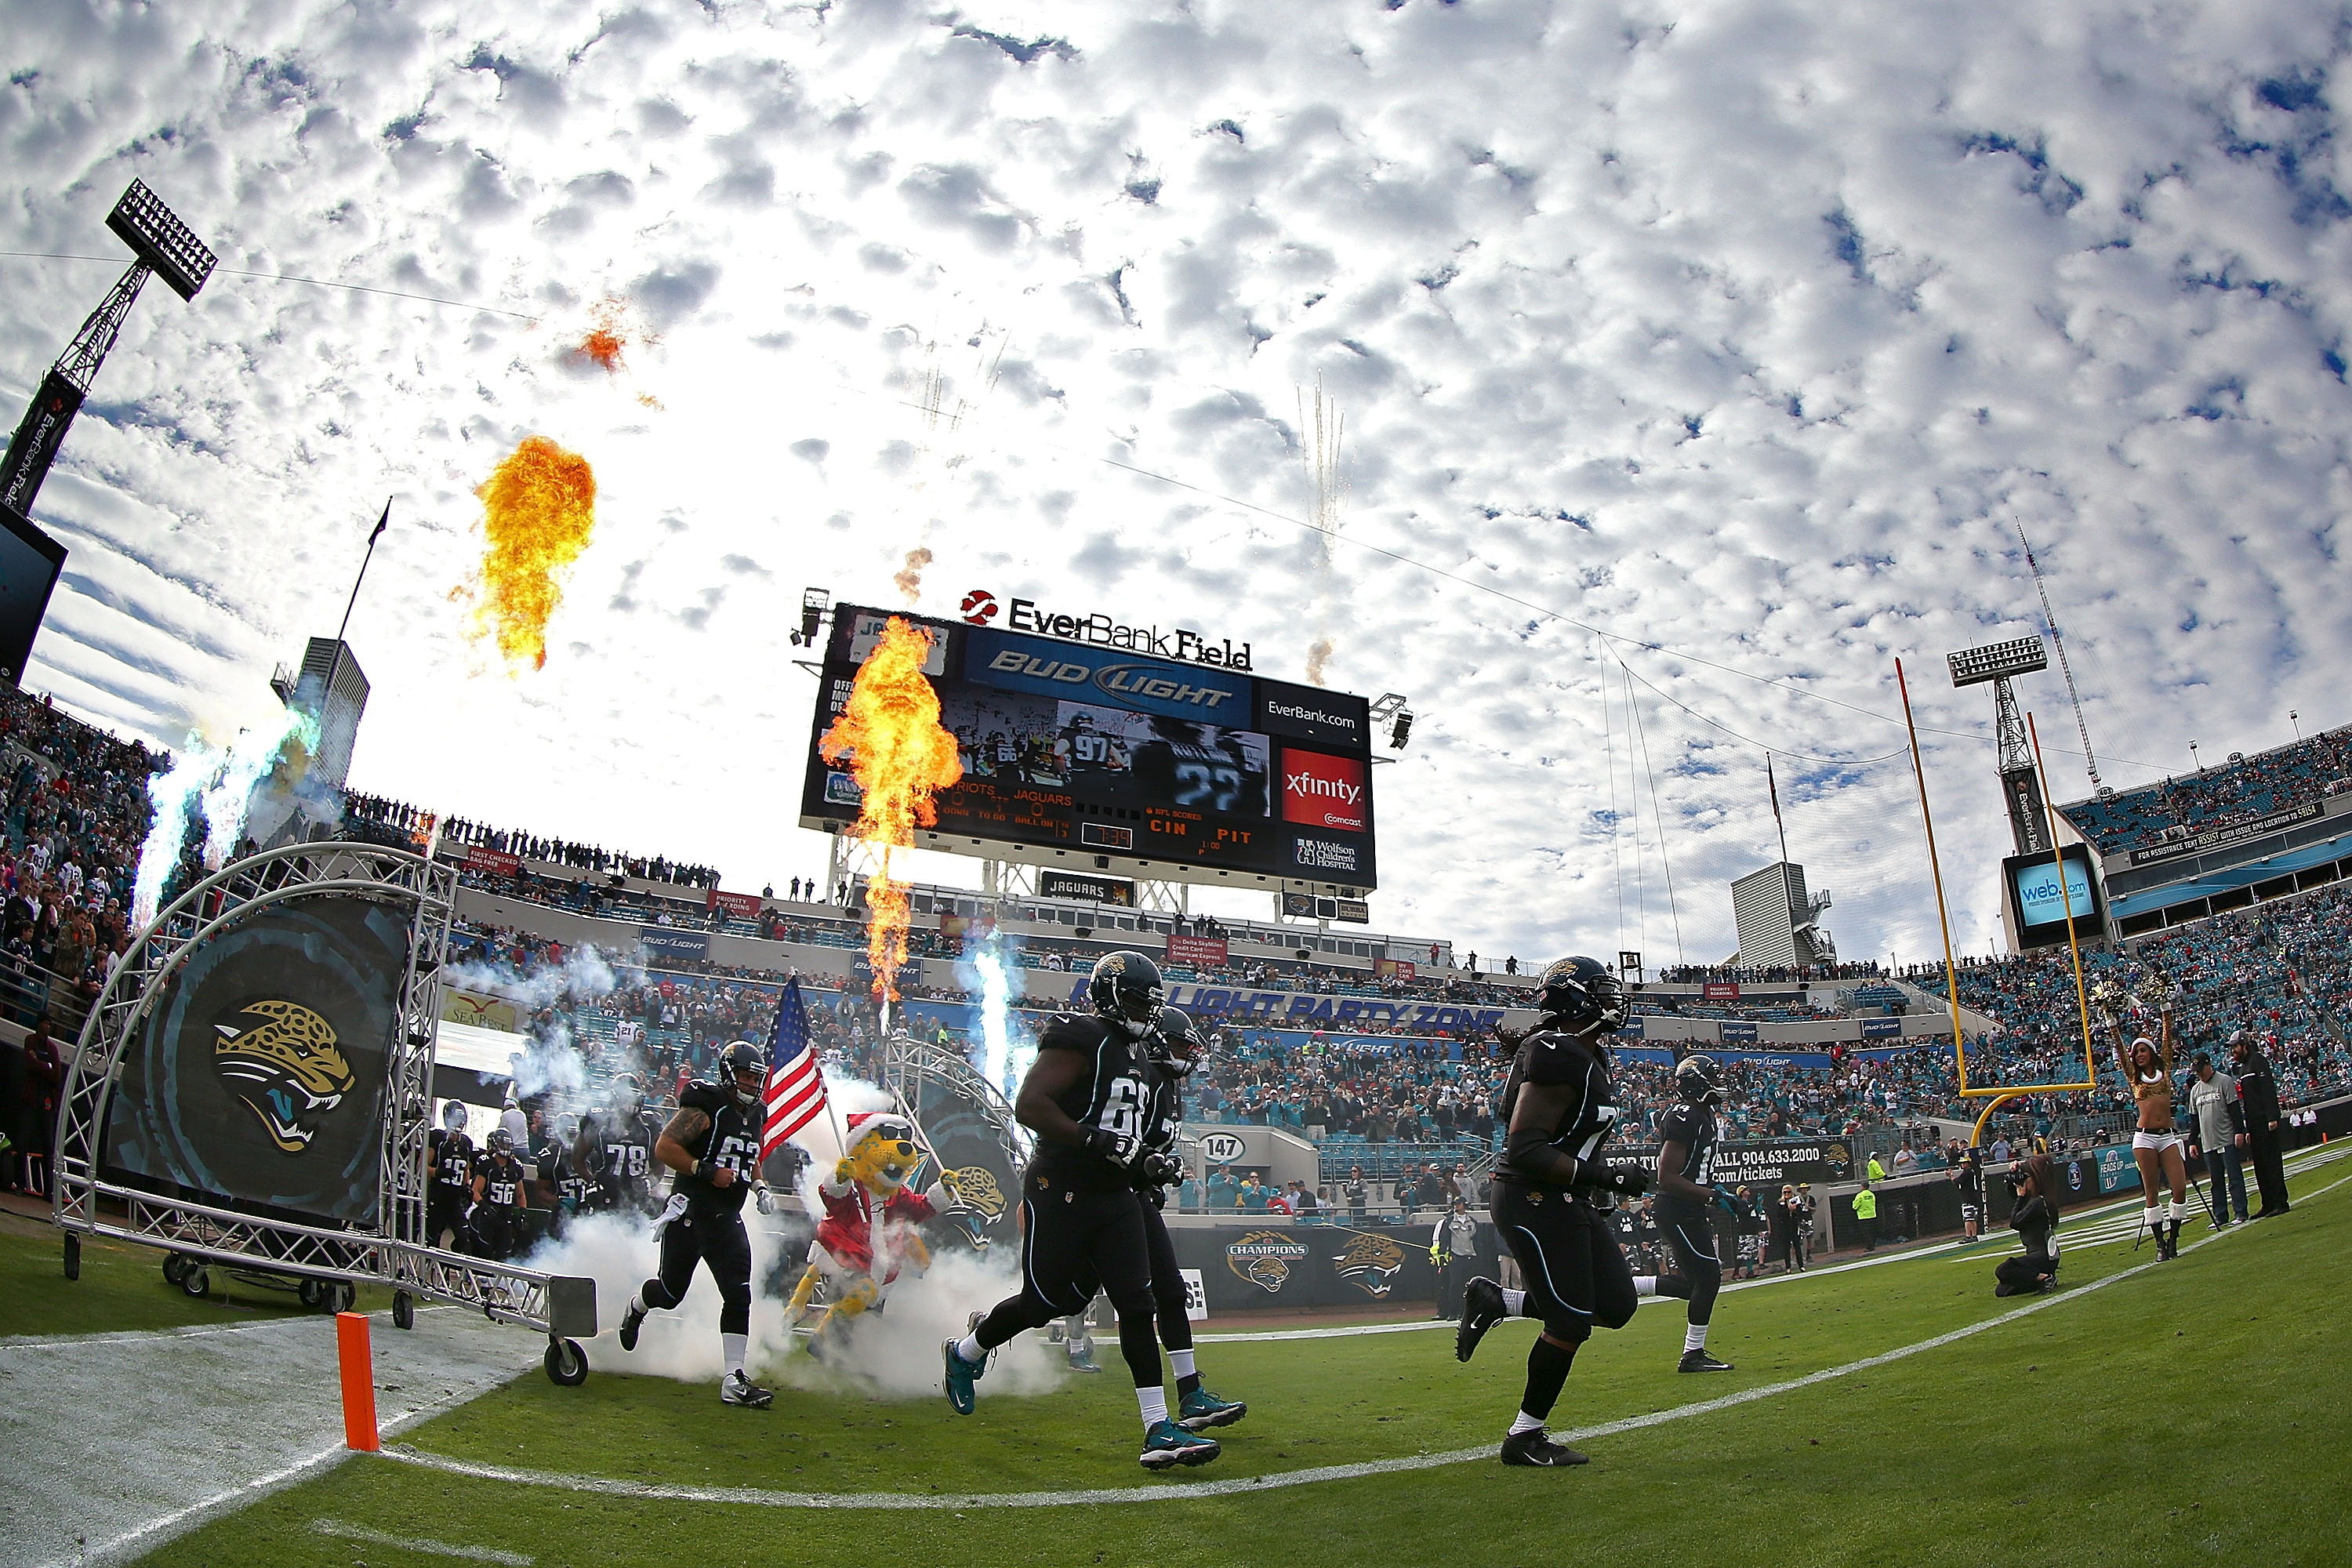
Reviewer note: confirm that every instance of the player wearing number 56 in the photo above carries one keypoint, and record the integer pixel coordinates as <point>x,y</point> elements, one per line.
<point>1087,1100</point>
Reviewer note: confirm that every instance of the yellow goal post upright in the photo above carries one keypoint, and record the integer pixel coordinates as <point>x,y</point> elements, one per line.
<point>1995,1098</point>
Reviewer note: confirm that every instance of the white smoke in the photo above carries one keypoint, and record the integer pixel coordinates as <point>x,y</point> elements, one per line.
<point>989,969</point>
<point>549,1060</point>
<point>219,784</point>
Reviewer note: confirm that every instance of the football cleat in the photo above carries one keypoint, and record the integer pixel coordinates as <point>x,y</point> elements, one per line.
<point>1201,1408</point>
<point>1481,1309</point>
<point>961,1376</point>
<point>1699,1361</point>
<point>736,1388</point>
<point>630,1322</point>
<point>1536,1447</point>
<point>1083,1360</point>
<point>1168,1444</point>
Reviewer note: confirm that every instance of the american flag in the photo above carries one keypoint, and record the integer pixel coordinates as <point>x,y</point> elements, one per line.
<point>795,1094</point>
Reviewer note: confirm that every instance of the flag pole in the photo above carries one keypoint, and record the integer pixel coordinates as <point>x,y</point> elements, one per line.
<point>370,557</point>
<point>1774,785</point>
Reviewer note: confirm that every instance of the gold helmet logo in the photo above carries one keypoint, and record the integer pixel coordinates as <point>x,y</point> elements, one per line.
<point>975,1188</point>
<point>1371,1263</point>
<point>281,1059</point>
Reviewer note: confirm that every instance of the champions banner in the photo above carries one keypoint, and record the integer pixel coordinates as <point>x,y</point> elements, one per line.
<point>258,1075</point>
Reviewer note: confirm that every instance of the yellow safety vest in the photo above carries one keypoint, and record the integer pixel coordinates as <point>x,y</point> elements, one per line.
<point>1865,1204</point>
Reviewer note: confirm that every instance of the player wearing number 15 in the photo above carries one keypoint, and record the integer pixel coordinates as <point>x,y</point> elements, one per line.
<point>1088,1099</point>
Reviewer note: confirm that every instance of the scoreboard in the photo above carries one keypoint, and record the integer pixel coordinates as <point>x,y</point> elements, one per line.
<point>1079,756</point>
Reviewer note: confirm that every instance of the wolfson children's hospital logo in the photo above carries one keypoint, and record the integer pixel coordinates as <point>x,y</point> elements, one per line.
<point>1266,1259</point>
<point>283,1061</point>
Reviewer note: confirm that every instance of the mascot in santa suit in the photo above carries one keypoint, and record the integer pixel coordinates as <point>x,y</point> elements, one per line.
<point>869,1234</point>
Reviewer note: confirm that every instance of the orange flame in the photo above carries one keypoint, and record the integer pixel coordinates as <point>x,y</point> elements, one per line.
<point>539,507</point>
<point>900,758</point>
<point>605,339</point>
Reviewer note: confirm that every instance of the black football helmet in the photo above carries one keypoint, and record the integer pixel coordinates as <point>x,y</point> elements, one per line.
<point>500,1141</point>
<point>1698,1081</point>
<point>1174,1044</point>
<point>453,1115</point>
<point>737,1060</point>
<point>1579,993</point>
<point>1124,991</point>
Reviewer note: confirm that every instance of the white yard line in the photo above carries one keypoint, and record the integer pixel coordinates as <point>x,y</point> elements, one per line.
<point>753,1497</point>
<point>367,1537</point>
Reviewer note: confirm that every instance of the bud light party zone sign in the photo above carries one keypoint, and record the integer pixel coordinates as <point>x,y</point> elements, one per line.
<point>1181,761</point>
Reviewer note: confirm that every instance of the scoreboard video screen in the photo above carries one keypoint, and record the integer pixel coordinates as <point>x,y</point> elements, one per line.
<point>1097,751</point>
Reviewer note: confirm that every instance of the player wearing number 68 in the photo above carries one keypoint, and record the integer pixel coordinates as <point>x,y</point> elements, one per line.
<point>1088,1098</point>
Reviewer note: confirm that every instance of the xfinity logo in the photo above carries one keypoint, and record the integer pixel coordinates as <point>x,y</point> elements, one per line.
<point>1101,631</point>
<point>1127,680</point>
<point>1309,785</point>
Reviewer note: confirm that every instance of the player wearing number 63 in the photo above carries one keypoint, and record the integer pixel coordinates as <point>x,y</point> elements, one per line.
<point>1088,1099</point>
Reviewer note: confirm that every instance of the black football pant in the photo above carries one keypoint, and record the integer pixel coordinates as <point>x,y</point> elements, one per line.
<point>719,1240</point>
<point>1690,1238</point>
<point>1166,1283</point>
<point>498,1232</point>
<point>1074,1243</point>
<point>1575,1274</point>
<point>443,1213</point>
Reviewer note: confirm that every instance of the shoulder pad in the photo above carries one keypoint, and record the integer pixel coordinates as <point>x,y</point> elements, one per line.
<point>1069,1032</point>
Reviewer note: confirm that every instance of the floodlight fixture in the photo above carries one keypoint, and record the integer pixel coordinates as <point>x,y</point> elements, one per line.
<point>167,245</point>
<point>1994,661</point>
<point>814,603</point>
<point>1401,731</point>
<point>1386,704</point>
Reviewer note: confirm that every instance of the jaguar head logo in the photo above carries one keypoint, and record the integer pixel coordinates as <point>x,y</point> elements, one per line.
<point>975,1188</point>
<point>281,1059</point>
<point>1372,1264</point>
<point>1265,1259</point>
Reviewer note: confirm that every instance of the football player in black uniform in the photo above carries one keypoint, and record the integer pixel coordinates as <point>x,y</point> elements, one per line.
<point>1087,1098</point>
<point>1686,1191</point>
<point>499,1202</point>
<point>1172,1051</point>
<point>713,1145</point>
<point>449,1167</point>
<point>620,1141</point>
<point>1560,1109</point>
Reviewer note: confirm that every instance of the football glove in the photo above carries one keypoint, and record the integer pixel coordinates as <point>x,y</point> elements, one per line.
<point>1727,1201</point>
<point>1117,1147</point>
<point>1632,1181</point>
<point>759,1196</point>
<point>1159,1168</point>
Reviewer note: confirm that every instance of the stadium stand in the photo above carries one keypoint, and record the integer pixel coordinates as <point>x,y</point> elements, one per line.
<point>2241,790</point>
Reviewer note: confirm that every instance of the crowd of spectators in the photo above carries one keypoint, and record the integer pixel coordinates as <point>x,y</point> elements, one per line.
<point>2240,790</point>
<point>368,811</point>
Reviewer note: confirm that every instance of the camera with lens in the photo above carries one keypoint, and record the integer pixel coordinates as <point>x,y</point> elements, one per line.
<point>2017,1176</point>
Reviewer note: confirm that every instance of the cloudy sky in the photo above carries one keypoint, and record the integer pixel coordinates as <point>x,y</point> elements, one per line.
<point>1697,362</point>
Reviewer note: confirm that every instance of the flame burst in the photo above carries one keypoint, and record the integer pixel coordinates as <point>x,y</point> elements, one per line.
<point>909,577</point>
<point>901,758</point>
<point>605,338</point>
<point>538,508</point>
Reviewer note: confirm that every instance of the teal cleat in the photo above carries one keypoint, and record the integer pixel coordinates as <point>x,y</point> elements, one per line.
<point>1202,1409</point>
<point>961,1376</point>
<point>1168,1444</point>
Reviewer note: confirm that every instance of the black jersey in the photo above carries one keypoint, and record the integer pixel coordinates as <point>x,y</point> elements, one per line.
<point>1971,1177</point>
<point>452,1165</point>
<point>1088,749</point>
<point>1553,1056</point>
<point>1693,1127</point>
<point>1162,1112</point>
<point>1199,778</point>
<point>502,1177</point>
<point>620,1151</point>
<point>1114,1092</point>
<point>729,1142</point>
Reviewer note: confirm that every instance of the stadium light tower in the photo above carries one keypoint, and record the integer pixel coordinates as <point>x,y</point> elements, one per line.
<point>162,245</point>
<point>2021,788</point>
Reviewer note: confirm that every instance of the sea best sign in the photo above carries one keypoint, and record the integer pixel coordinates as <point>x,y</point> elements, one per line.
<point>1098,630</point>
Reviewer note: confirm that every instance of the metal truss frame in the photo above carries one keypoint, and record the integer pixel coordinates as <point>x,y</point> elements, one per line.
<point>396,1251</point>
<point>907,1061</point>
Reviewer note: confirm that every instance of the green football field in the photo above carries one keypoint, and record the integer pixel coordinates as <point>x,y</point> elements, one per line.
<point>1893,1414</point>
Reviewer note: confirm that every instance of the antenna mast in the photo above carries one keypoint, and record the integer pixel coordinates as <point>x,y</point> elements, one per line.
<point>2065,670</point>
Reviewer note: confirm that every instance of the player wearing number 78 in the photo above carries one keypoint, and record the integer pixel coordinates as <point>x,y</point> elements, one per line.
<point>1088,1098</point>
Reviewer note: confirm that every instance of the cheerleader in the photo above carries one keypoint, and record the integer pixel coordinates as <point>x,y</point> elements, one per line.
<point>2155,1147</point>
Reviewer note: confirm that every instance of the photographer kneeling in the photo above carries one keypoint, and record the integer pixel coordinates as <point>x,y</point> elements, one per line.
<point>2034,1218</point>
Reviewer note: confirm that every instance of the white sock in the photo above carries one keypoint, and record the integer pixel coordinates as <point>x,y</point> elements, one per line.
<point>969,1349</point>
<point>1646,1284</point>
<point>637,1302</point>
<point>1524,1422</point>
<point>1180,1363</point>
<point>735,1346</point>
<point>1514,1302</point>
<point>1154,1404</point>
<point>1694,1337</point>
